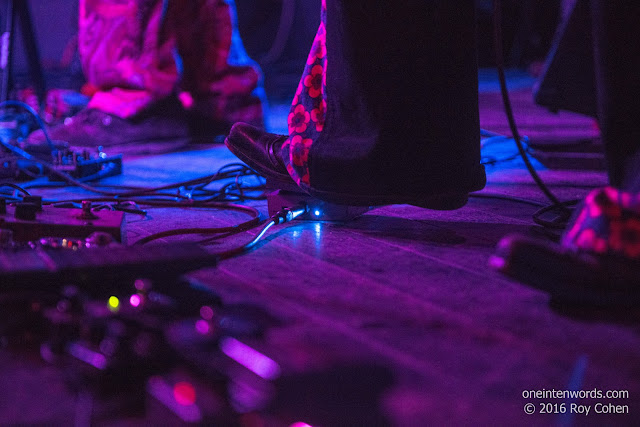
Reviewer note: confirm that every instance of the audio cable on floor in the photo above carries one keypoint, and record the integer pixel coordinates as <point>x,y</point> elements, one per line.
<point>556,204</point>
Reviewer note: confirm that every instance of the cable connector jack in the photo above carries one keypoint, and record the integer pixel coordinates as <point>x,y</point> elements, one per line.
<point>289,214</point>
<point>282,216</point>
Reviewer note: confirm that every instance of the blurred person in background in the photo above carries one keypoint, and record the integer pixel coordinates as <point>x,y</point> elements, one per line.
<point>164,74</point>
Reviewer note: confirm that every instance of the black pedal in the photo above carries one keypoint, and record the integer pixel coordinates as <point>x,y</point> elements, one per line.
<point>318,209</point>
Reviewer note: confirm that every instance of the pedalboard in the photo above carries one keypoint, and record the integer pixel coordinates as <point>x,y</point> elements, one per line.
<point>29,220</point>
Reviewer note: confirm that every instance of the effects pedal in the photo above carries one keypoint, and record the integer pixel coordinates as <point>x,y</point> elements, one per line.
<point>78,164</point>
<point>319,210</point>
<point>84,164</point>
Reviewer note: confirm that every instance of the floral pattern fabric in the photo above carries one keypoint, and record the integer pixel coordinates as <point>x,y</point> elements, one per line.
<point>309,108</point>
<point>607,224</point>
<point>136,52</point>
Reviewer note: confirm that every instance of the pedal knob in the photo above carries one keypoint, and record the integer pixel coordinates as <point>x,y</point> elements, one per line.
<point>26,211</point>
<point>36,200</point>
<point>86,211</point>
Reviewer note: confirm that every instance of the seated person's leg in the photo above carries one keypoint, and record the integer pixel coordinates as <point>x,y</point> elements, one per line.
<point>138,55</point>
<point>224,83</point>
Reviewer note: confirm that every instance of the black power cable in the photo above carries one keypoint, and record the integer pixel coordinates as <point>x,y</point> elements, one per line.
<point>499,51</point>
<point>497,33</point>
<point>15,187</point>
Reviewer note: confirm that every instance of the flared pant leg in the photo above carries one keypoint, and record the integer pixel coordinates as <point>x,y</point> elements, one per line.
<point>388,101</point>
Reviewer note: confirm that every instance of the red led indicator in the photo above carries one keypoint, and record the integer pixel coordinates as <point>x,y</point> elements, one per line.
<point>184,393</point>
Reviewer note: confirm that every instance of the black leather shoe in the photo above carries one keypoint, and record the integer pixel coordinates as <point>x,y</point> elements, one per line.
<point>261,152</point>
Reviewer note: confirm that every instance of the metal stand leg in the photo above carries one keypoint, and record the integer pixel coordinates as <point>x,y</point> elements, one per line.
<point>20,9</point>
<point>31,47</point>
<point>6,51</point>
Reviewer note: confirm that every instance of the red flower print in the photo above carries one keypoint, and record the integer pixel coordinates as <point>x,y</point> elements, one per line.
<point>300,150</point>
<point>615,236</point>
<point>293,173</point>
<point>314,81</point>
<point>575,229</point>
<point>585,239</point>
<point>624,237</point>
<point>604,202</point>
<point>600,245</point>
<point>318,48</point>
<point>298,119</point>
<point>318,115</point>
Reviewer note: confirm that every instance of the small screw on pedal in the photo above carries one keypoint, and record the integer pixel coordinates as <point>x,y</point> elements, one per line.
<point>86,211</point>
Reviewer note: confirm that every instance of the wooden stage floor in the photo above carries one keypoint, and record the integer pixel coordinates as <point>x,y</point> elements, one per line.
<point>409,291</point>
